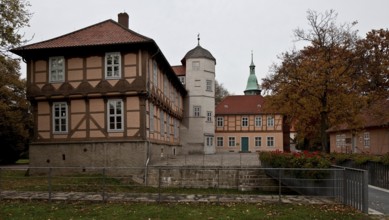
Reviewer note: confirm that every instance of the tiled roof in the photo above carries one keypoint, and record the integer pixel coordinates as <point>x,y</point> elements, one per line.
<point>240,104</point>
<point>179,70</point>
<point>198,52</point>
<point>103,33</point>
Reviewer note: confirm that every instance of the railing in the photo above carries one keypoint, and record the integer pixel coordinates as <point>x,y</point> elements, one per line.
<point>166,183</point>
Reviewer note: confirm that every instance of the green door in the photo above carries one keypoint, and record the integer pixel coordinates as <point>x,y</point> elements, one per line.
<point>245,144</point>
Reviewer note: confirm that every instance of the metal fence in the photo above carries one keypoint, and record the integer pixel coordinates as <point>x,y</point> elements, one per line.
<point>167,183</point>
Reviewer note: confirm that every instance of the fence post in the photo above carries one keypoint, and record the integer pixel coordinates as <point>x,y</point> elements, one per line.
<point>103,188</point>
<point>365,192</point>
<point>279,185</point>
<point>159,185</point>
<point>345,187</point>
<point>218,185</point>
<point>49,183</point>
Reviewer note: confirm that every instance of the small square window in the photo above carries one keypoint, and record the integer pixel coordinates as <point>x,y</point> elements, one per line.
<point>270,141</point>
<point>196,111</point>
<point>245,121</point>
<point>258,121</point>
<point>258,141</point>
<point>219,141</point>
<point>270,121</point>
<point>219,121</point>
<point>231,141</point>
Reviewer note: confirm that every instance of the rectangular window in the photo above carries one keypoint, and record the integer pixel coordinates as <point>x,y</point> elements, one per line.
<point>340,140</point>
<point>151,115</point>
<point>162,123</point>
<point>115,115</point>
<point>270,141</point>
<point>231,141</point>
<point>155,73</point>
<point>245,121</point>
<point>167,125</point>
<point>57,69</point>
<point>182,79</point>
<point>219,141</point>
<point>209,141</point>
<point>208,86</point>
<point>270,121</point>
<point>258,121</point>
<point>258,141</point>
<point>196,65</point>
<point>60,117</point>
<point>112,65</point>
<point>366,139</point>
<point>176,128</point>
<point>209,116</point>
<point>219,121</point>
<point>196,111</point>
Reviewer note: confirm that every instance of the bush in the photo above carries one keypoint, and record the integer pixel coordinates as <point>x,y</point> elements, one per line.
<point>305,159</point>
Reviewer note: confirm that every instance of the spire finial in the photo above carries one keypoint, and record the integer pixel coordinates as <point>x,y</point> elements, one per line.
<point>252,59</point>
<point>198,39</point>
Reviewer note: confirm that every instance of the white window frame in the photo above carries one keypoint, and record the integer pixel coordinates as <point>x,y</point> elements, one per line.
<point>115,116</point>
<point>196,111</point>
<point>231,141</point>
<point>219,121</point>
<point>270,121</point>
<point>60,120</point>
<point>56,69</point>
<point>182,79</point>
<point>366,139</point>
<point>113,65</point>
<point>209,116</point>
<point>258,141</point>
<point>219,141</point>
<point>245,121</point>
<point>209,141</point>
<point>258,121</point>
<point>196,65</point>
<point>208,85</point>
<point>270,142</point>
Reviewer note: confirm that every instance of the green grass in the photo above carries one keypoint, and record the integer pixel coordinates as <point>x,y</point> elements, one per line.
<point>22,161</point>
<point>86,210</point>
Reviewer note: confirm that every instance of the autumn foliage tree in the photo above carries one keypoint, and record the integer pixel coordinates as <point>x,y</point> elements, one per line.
<point>316,86</point>
<point>15,120</point>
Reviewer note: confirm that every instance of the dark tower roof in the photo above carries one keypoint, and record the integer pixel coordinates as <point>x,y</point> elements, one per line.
<point>198,52</point>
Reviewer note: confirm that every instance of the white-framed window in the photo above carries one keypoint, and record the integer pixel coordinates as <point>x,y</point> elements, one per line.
<point>196,111</point>
<point>182,79</point>
<point>270,141</point>
<point>60,117</point>
<point>208,86</point>
<point>340,140</point>
<point>155,73</point>
<point>151,116</point>
<point>209,116</point>
<point>245,121</point>
<point>219,121</point>
<point>258,121</point>
<point>196,65</point>
<point>270,121</point>
<point>231,141</point>
<point>115,115</point>
<point>219,141</point>
<point>162,122</point>
<point>57,69</point>
<point>258,141</point>
<point>209,141</point>
<point>366,139</point>
<point>113,65</point>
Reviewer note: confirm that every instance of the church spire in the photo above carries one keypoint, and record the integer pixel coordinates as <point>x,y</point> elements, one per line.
<point>252,87</point>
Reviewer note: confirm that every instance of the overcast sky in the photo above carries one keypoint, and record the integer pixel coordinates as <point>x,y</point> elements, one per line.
<point>229,29</point>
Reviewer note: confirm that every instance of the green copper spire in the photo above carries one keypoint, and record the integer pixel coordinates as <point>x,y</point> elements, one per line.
<point>252,87</point>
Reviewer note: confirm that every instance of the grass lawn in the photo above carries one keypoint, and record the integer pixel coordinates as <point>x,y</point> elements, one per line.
<point>13,209</point>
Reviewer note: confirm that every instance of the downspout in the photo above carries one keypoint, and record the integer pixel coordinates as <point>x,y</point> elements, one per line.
<point>147,97</point>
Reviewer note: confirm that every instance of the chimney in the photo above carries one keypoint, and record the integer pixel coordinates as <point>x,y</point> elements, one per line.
<point>123,19</point>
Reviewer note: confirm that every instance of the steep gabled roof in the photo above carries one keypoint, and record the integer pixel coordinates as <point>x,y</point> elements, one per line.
<point>240,104</point>
<point>104,33</point>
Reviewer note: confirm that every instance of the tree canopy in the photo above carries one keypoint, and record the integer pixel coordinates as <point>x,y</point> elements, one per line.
<point>220,92</point>
<point>326,83</point>
<point>15,119</point>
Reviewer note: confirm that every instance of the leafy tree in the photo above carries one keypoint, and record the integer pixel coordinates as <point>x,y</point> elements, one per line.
<point>316,86</point>
<point>15,120</point>
<point>220,92</point>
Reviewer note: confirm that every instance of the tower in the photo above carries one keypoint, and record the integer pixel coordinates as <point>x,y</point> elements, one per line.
<point>252,87</point>
<point>198,128</point>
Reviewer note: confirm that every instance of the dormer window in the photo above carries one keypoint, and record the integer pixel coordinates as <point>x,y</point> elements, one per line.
<point>112,65</point>
<point>57,69</point>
